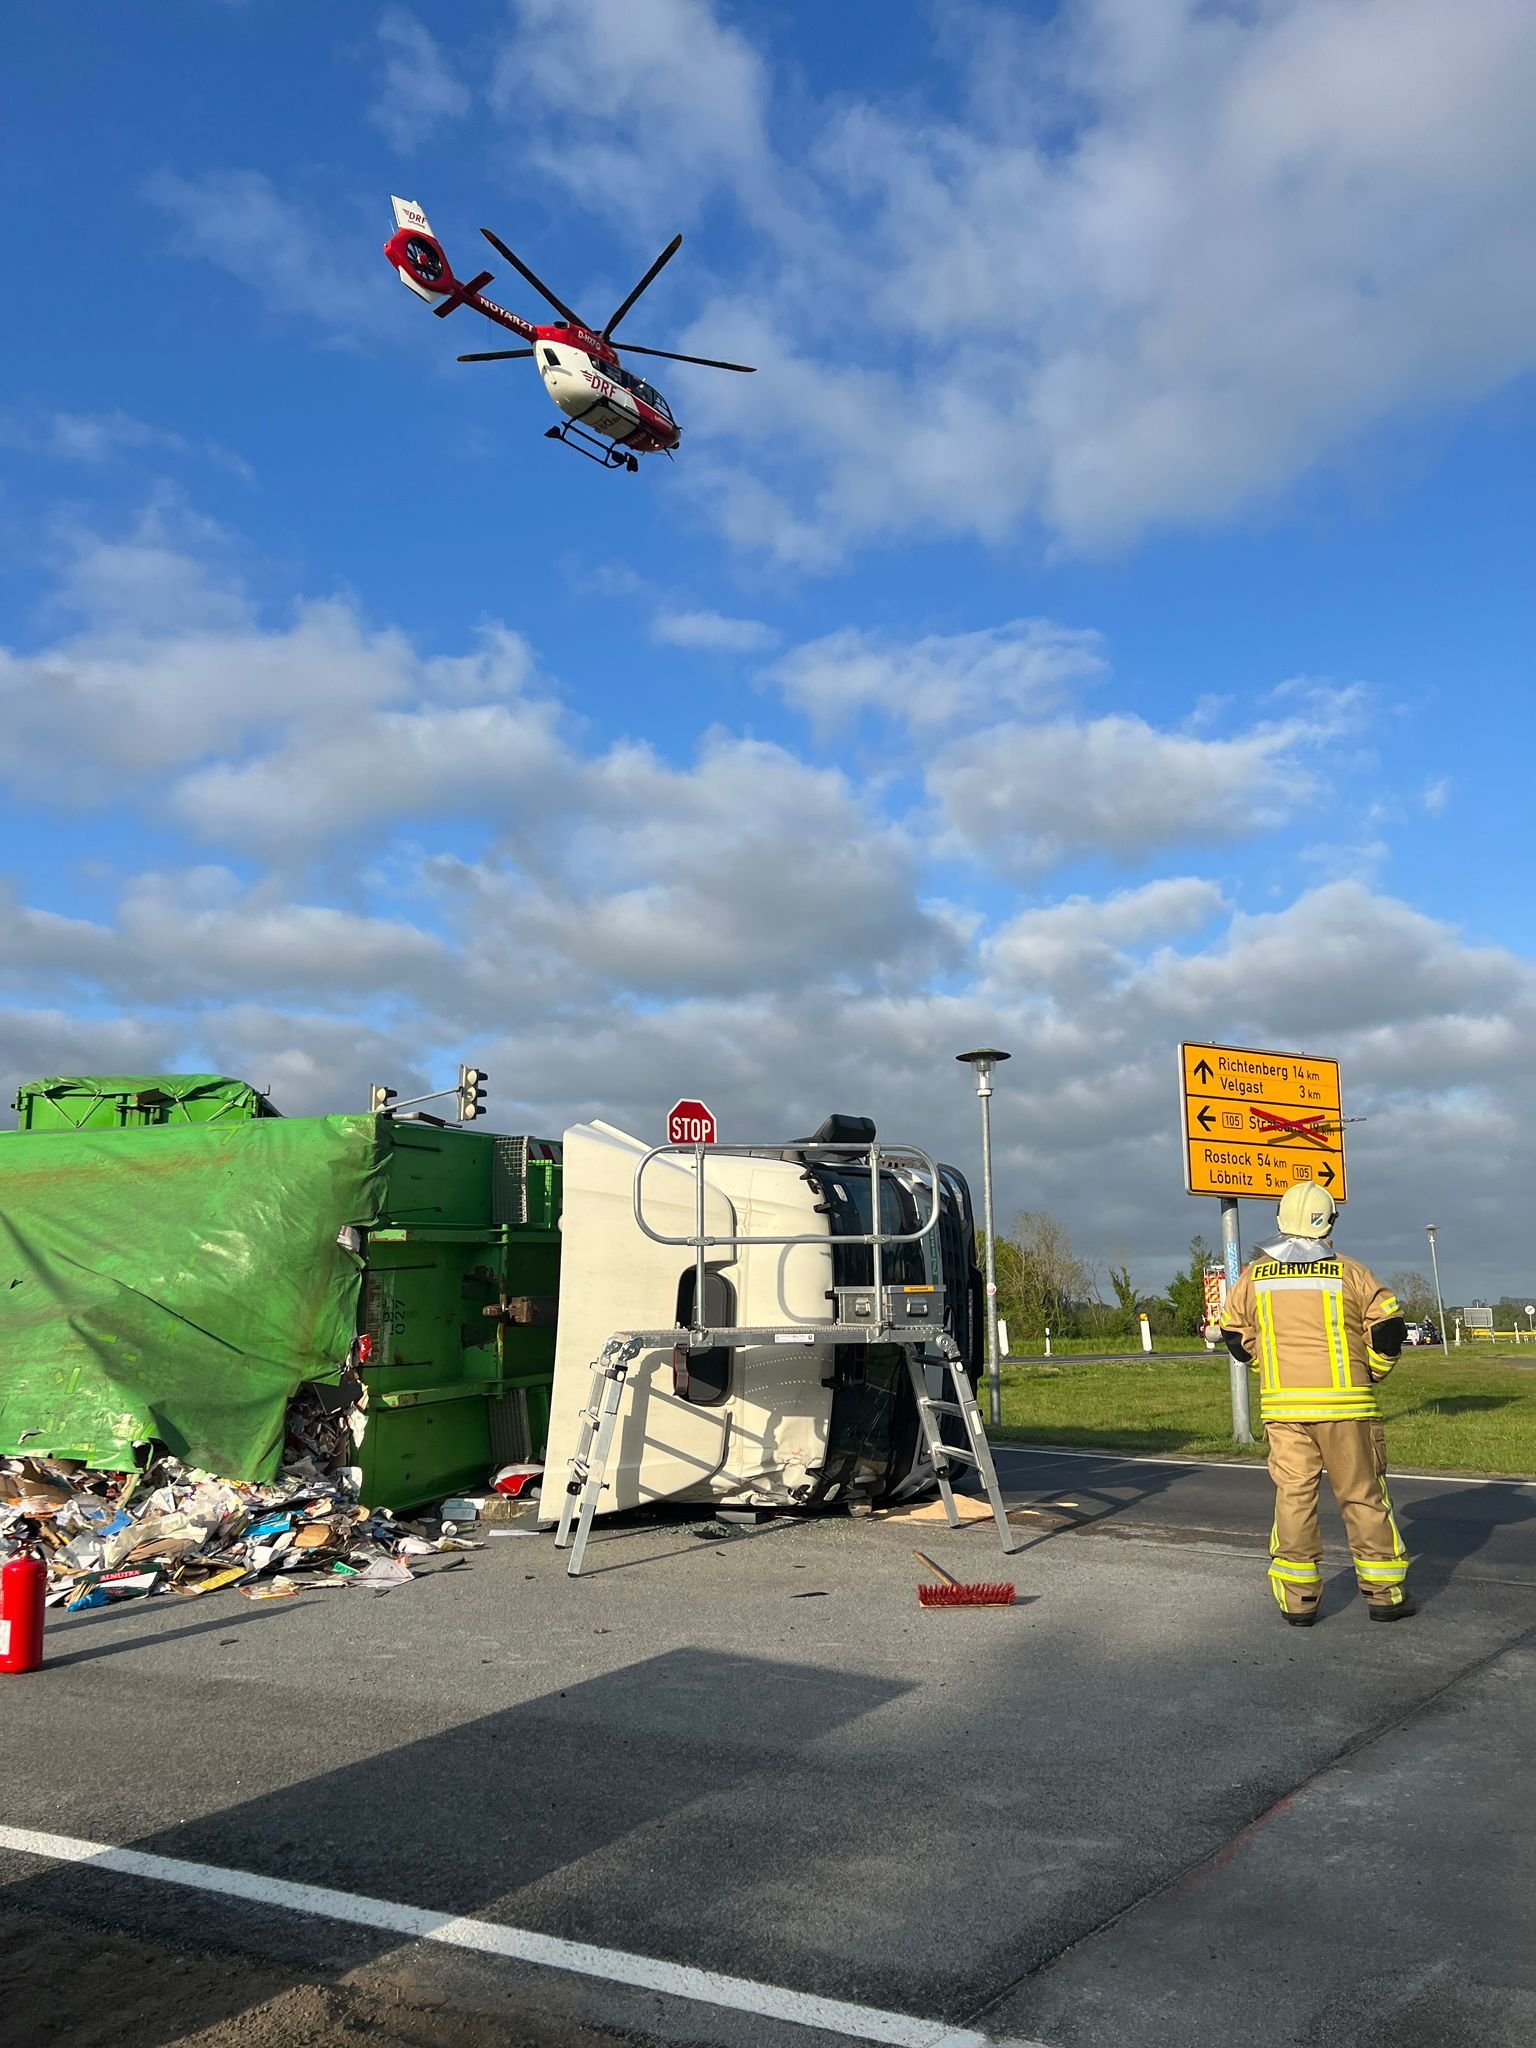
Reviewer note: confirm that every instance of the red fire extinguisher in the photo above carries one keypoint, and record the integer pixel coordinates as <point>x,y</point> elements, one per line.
<point>23,1584</point>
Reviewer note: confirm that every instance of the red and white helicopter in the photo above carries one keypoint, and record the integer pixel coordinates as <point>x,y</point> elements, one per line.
<point>611,416</point>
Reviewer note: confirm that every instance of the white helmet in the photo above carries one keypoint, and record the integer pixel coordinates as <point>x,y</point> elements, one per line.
<point>1306,1210</point>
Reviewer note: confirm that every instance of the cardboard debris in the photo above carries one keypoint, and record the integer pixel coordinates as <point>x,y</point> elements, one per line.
<point>277,1588</point>
<point>928,1511</point>
<point>110,1536</point>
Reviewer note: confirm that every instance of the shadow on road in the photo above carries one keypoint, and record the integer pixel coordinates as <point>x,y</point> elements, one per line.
<point>559,1782</point>
<point>114,1645</point>
<point>1099,1489</point>
<point>1449,1527</point>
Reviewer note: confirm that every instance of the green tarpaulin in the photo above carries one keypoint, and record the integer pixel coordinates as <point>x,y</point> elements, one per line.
<point>177,1284</point>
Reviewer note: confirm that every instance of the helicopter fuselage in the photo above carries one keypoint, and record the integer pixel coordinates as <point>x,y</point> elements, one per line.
<point>585,378</point>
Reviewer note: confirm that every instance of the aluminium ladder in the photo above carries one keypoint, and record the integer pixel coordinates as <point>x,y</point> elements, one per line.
<point>610,1370</point>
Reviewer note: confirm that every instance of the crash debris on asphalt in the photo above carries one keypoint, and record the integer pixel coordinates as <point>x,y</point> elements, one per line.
<point>110,1536</point>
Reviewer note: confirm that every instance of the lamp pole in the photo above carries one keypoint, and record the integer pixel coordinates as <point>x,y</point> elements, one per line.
<point>983,1060</point>
<point>1434,1260</point>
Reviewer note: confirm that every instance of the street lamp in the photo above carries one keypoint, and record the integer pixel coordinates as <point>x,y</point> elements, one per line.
<point>1434,1260</point>
<point>983,1060</point>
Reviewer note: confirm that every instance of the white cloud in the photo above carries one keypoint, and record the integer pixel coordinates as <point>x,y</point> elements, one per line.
<point>420,91</point>
<point>1437,795</point>
<point>606,928</point>
<point>1096,939</point>
<point>749,869</point>
<point>1164,260</point>
<point>941,679</point>
<point>1025,797</point>
<point>254,758</point>
<point>100,437</point>
<point>200,934</point>
<point>644,101</point>
<point>712,633</point>
<point>324,273</point>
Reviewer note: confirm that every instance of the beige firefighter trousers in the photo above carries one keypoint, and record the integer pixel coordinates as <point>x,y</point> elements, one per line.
<point>1354,1455</point>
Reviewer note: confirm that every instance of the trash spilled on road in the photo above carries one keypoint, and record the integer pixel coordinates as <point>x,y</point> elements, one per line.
<point>111,1536</point>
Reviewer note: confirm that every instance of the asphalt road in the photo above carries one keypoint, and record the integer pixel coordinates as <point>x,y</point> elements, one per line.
<point>1134,1808</point>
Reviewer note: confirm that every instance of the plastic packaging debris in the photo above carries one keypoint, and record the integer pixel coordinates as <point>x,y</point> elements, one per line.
<point>109,1536</point>
<point>516,1480</point>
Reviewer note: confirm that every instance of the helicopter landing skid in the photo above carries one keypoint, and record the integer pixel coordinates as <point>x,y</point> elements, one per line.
<point>606,454</point>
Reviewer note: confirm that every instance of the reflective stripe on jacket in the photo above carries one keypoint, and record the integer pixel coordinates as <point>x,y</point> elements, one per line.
<point>1308,1324</point>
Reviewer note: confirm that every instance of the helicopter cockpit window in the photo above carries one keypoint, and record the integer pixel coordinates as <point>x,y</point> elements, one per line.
<point>552,359</point>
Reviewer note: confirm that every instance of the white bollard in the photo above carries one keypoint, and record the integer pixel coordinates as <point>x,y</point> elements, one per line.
<point>1146,1334</point>
<point>1047,1340</point>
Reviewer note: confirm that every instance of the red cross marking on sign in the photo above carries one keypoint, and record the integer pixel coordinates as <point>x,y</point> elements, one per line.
<point>1311,1127</point>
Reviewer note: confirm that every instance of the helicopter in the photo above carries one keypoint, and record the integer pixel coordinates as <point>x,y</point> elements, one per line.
<point>612,416</point>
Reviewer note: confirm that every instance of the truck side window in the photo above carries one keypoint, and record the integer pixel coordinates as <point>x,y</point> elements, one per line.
<point>708,1378</point>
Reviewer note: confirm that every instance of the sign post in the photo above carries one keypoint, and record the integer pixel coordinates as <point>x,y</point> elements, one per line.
<point>1254,1123</point>
<point>1237,1372</point>
<point>691,1122</point>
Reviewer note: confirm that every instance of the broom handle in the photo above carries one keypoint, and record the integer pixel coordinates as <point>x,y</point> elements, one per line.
<point>937,1569</point>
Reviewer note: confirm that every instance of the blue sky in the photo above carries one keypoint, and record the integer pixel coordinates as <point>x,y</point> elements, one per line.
<point>1104,618</point>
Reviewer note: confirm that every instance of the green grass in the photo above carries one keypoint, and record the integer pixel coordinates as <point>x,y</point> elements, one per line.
<point>1446,1415</point>
<point>1095,1347</point>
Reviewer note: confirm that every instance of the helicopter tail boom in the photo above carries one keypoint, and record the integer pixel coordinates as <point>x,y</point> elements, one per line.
<point>421,264</point>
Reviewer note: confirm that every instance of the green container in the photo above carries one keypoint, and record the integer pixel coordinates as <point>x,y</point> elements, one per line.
<point>457,1315</point>
<point>174,1279</point>
<point>109,1102</point>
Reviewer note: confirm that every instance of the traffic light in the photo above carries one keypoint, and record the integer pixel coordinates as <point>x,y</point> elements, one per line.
<point>379,1098</point>
<point>472,1082</point>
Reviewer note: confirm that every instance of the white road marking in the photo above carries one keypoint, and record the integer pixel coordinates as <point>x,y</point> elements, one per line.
<point>1001,1448</point>
<point>489,1937</point>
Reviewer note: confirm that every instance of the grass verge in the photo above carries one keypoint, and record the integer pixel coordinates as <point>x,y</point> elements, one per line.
<point>1447,1415</point>
<point>1095,1347</point>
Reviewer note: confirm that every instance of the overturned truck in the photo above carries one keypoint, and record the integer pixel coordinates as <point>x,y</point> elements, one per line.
<point>805,1420</point>
<point>178,1260</point>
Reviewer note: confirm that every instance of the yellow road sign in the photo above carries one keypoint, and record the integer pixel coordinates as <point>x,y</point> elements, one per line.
<point>1254,1121</point>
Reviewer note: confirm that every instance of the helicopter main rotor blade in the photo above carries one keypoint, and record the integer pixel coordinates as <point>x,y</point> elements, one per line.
<point>496,355</point>
<point>633,348</point>
<point>645,283</point>
<point>538,283</point>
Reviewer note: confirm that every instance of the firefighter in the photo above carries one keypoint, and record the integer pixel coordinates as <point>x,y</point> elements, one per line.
<point>1324,1331</point>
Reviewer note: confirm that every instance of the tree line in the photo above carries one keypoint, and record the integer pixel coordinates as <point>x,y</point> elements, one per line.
<point>1043,1283</point>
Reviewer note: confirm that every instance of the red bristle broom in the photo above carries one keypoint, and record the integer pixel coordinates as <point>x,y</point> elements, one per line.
<point>954,1593</point>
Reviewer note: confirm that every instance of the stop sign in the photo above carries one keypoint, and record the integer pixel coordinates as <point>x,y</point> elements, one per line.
<point>690,1123</point>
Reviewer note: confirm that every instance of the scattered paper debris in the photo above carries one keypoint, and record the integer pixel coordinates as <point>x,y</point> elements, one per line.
<point>111,1536</point>
<point>277,1588</point>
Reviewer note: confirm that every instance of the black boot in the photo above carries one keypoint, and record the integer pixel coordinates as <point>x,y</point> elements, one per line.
<point>1302,1620</point>
<point>1379,1611</point>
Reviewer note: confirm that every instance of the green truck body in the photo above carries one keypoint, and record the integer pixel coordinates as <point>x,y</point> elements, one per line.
<point>177,1260</point>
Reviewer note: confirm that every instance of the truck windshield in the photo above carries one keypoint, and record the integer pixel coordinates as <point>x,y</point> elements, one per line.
<point>850,1213</point>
